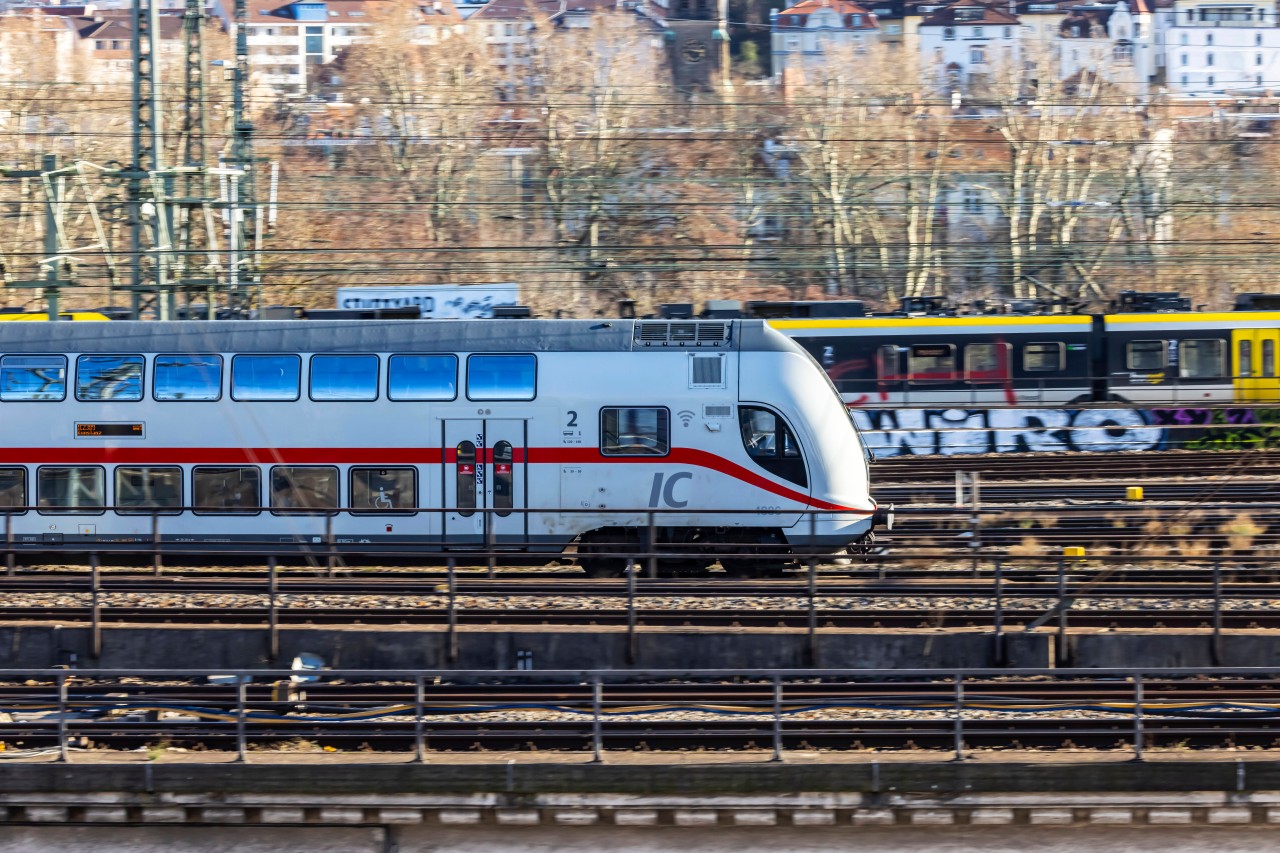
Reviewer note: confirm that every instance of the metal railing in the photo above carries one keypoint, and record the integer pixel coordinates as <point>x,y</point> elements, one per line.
<point>57,709</point>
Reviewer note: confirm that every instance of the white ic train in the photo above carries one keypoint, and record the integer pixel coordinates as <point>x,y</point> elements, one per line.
<point>426,437</point>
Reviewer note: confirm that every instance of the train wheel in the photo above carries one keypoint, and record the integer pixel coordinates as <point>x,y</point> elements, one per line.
<point>604,553</point>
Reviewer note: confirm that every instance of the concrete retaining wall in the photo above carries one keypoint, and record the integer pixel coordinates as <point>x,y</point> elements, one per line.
<point>347,647</point>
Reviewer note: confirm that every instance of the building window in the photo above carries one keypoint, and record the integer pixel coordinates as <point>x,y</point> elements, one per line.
<point>971,199</point>
<point>1184,59</point>
<point>1208,39</point>
<point>1257,59</point>
<point>855,20</point>
<point>1257,37</point>
<point>1258,80</point>
<point>1208,59</point>
<point>1123,52</point>
<point>977,32</point>
<point>1184,80</point>
<point>99,45</point>
<point>1183,38</point>
<point>793,43</point>
<point>949,33</point>
<point>1209,81</point>
<point>977,55</point>
<point>1008,32</point>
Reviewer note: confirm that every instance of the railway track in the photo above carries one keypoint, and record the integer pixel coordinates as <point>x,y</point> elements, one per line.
<point>896,470</point>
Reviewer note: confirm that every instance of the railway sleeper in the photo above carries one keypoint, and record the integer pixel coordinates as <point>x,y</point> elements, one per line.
<point>681,551</point>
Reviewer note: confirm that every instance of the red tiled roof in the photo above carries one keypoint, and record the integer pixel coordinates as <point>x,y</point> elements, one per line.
<point>844,8</point>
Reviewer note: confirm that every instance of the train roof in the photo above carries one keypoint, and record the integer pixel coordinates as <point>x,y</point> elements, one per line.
<point>390,336</point>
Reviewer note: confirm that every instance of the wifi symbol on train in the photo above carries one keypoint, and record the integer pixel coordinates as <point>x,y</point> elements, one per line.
<point>685,416</point>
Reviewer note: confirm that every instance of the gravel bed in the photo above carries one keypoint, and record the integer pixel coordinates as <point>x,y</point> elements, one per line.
<point>194,600</point>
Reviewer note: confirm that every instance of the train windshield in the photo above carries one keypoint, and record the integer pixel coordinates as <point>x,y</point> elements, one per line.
<point>771,444</point>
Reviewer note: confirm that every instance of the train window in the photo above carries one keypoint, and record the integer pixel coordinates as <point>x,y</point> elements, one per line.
<point>504,478</point>
<point>931,363</point>
<point>1145,355</point>
<point>384,491</point>
<point>501,377</point>
<point>1198,359</point>
<point>70,490</point>
<point>986,362</point>
<point>109,377</point>
<point>1268,358</point>
<point>309,491</point>
<point>265,377</point>
<point>635,432</point>
<point>33,377</point>
<point>143,491</point>
<point>466,478</point>
<point>187,377</point>
<point>771,444</point>
<point>344,377</point>
<point>226,491</point>
<point>13,489</point>
<point>422,377</point>
<point>889,362</point>
<point>1042,356</point>
<point>1246,359</point>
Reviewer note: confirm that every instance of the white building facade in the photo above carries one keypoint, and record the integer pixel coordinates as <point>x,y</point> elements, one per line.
<point>965,45</point>
<point>810,35</point>
<point>1221,48</point>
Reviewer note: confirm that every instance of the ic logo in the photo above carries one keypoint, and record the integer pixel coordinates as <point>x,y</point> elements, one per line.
<point>685,417</point>
<point>666,491</point>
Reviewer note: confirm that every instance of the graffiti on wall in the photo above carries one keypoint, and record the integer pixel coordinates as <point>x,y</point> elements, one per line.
<point>950,432</point>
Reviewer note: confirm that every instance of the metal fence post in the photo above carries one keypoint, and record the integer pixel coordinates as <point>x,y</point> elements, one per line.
<point>597,725</point>
<point>157,563</point>
<point>1216,651</point>
<point>652,545</point>
<point>777,718</point>
<point>452,636</point>
<point>331,557</point>
<point>999,623</point>
<point>1137,717</point>
<point>1061,642</point>
<point>273,616</point>
<point>813,589</point>
<point>959,722</point>
<point>632,569</point>
<point>9,561</point>
<point>419,726</point>
<point>62,717</point>
<point>242,698</point>
<point>95,602</point>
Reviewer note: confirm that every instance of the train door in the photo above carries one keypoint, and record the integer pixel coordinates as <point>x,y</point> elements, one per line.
<point>485,482</point>
<point>1254,355</point>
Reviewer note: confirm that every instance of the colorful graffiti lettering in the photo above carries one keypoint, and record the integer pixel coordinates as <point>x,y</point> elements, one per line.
<point>952,432</point>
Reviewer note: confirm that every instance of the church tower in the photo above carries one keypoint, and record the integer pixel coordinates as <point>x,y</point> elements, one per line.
<point>698,45</point>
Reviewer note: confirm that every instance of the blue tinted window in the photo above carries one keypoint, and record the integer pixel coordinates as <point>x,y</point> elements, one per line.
<point>109,377</point>
<point>33,377</point>
<point>344,377</point>
<point>501,377</point>
<point>188,377</point>
<point>422,377</point>
<point>265,377</point>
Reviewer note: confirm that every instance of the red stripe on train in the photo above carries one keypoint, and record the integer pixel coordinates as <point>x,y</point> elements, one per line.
<point>390,456</point>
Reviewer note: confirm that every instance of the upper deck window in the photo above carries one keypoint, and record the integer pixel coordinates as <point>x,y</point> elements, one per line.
<point>501,377</point>
<point>187,377</point>
<point>265,377</point>
<point>422,377</point>
<point>1201,359</point>
<point>931,363</point>
<point>1042,357</point>
<point>1145,355</point>
<point>344,377</point>
<point>109,377</point>
<point>33,377</point>
<point>635,432</point>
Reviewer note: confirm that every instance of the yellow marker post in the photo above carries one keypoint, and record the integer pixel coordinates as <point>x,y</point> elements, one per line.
<point>1073,551</point>
<point>1133,493</point>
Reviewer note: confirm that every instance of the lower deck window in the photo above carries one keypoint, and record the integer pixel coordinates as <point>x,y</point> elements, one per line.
<point>635,432</point>
<point>1145,355</point>
<point>304,490</point>
<point>226,490</point>
<point>146,490</point>
<point>931,363</point>
<point>13,488</point>
<point>384,490</point>
<point>71,490</point>
<point>1202,359</point>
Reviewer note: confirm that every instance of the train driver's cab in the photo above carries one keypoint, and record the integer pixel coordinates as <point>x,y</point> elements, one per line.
<point>771,444</point>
